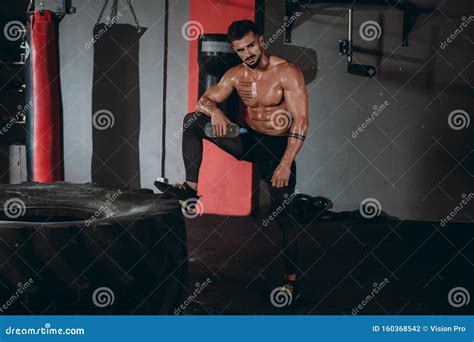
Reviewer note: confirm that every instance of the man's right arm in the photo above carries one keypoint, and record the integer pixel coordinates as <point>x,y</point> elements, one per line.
<point>216,94</point>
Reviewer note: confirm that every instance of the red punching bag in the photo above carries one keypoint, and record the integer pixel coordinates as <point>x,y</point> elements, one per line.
<point>43,99</point>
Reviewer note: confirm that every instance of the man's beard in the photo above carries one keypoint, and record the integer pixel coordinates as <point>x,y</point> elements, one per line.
<point>254,64</point>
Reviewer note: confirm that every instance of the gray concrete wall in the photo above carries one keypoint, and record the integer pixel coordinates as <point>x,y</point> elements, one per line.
<point>408,158</point>
<point>76,80</point>
<point>177,89</point>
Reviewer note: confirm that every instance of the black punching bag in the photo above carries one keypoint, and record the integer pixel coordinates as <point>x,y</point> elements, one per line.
<point>116,101</point>
<point>215,57</point>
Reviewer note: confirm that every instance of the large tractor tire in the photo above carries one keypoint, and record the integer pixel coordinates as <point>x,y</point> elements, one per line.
<point>83,249</point>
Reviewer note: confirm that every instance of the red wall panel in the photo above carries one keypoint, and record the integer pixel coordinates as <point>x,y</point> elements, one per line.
<point>225,184</point>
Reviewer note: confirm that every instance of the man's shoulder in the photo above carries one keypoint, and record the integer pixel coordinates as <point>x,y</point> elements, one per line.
<point>283,64</point>
<point>235,70</point>
<point>277,60</point>
<point>287,71</point>
<point>233,73</point>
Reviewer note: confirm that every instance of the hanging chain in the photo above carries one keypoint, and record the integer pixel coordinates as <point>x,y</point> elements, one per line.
<point>30,5</point>
<point>139,29</point>
<point>102,12</point>
<point>114,12</point>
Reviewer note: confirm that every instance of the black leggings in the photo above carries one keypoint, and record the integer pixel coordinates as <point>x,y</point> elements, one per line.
<point>265,151</point>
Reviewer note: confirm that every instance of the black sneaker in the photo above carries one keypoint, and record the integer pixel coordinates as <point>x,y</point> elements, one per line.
<point>177,190</point>
<point>292,288</point>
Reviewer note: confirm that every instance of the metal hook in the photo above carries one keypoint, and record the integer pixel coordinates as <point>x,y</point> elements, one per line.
<point>41,7</point>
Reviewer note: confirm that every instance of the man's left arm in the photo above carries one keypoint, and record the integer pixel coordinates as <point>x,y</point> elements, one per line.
<point>296,100</point>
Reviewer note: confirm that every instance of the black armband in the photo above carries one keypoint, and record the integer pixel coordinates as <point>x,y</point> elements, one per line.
<point>296,136</point>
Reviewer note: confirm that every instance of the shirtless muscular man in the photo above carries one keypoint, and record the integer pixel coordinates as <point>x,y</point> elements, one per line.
<point>275,95</point>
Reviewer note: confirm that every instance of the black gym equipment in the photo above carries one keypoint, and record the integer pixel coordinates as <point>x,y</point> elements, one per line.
<point>345,48</point>
<point>410,15</point>
<point>115,113</point>
<point>305,208</point>
<point>410,11</point>
<point>215,57</point>
<point>70,241</point>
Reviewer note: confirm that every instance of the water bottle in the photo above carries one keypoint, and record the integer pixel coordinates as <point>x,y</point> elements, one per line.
<point>233,131</point>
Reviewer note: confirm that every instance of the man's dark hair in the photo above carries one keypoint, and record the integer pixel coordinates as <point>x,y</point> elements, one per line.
<point>240,28</point>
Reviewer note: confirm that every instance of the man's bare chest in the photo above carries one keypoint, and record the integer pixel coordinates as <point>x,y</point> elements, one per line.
<point>263,90</point>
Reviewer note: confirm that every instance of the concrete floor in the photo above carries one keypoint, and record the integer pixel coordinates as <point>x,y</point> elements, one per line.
<point>342,262</point>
